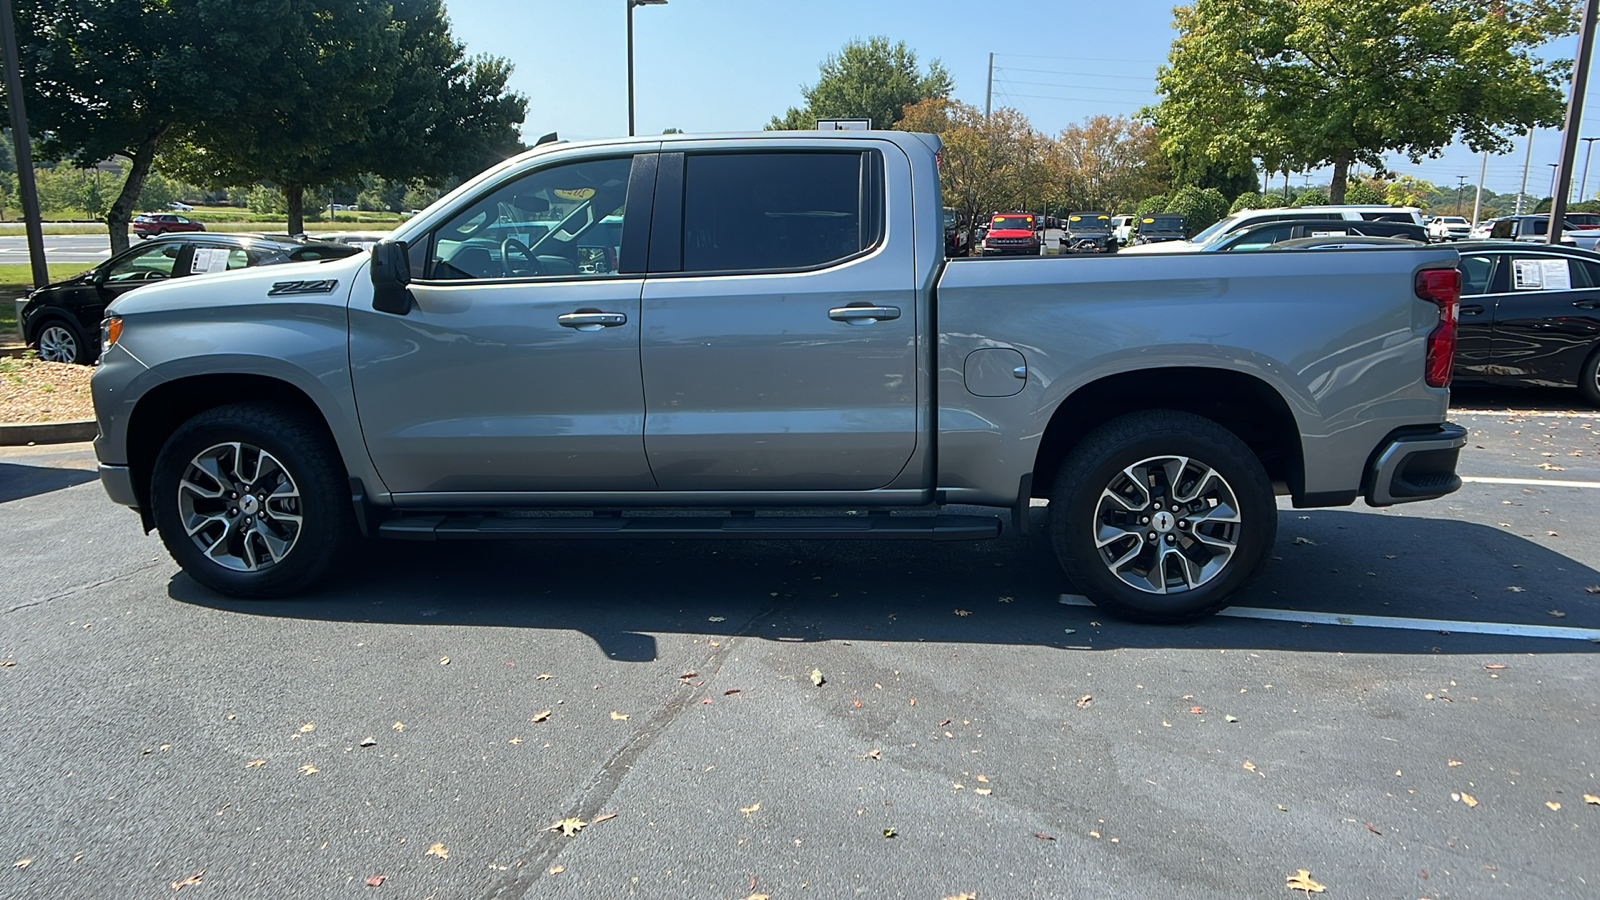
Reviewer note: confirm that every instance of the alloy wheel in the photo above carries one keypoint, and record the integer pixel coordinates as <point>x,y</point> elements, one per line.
<point>57,343</point>
<point>1167,524</point>
<point>240,505</point>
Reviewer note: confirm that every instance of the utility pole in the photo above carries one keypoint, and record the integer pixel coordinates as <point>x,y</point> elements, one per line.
<point>1461,182</point>
<point>1477,204</point>
<point>19,134</point>
<point>1569,129</point>
<point>1525,160</point>
<point>1553,168</point>
<point>1583,188</point>
<point>988,94</point>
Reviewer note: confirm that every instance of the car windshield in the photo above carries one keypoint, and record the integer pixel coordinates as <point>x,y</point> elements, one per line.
<point>1020,223</point>
<point>949,218</point>
<point>1089,221</point>
<point>1453,220</point>
<point>1225,226</point>
<point>1161,223</point>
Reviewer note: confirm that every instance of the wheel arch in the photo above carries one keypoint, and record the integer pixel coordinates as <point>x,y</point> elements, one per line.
<point>165,407</point>
<point>1244,404</point>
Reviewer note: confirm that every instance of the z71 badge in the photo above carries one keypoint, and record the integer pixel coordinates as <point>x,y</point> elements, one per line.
<point>322,286</point>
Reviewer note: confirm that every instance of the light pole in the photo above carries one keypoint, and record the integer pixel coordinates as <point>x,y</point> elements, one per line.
<point>1553,168</point>
<point>631,5</point>
<point>1583,187</point>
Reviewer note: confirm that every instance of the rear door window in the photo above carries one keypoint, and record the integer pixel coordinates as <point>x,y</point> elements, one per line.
<point>745,212</point>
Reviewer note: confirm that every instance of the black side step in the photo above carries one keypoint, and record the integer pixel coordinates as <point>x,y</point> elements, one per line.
<point>762,528</point>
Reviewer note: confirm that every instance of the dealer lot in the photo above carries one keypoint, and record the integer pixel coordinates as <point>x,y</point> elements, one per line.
<point>1013,746</point>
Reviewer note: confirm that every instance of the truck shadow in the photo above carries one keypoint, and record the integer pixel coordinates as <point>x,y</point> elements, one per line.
<point>19,481</point>
<point>998,592</point>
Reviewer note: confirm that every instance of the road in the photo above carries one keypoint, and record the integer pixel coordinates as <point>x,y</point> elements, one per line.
<point>972,733</point>
<point>60,248</point>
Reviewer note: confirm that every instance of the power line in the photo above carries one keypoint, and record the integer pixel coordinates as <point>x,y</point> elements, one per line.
<point>1076,74</point>
<point>1082,58</point>
<point>1081,100</point>
<point>1086,87</point>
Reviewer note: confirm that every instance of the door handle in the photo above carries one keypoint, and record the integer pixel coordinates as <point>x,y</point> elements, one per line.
<point>592,320</point>
<point>1471,310</point>
<point>863,315</point>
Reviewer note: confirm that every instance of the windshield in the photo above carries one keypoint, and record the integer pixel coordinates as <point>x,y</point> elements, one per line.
<point>1161,223</point>
<point>949,217</point>
<point>1019,223</point>
<point>1223,227</point>
<point>1089,221</point>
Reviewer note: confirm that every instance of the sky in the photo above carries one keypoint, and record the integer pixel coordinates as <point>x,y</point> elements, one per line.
<point>730,65</point>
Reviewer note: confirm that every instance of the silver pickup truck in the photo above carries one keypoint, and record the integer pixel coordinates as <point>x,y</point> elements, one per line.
<point>759,336</point>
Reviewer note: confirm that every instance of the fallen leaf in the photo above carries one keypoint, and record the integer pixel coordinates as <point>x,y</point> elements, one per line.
<point>1301,881</point>
<point>963,612</point>
<point>816,677</point>
<point>944,723</point>
<point>543,676</point>
<point>730,692</point>
<point>370,742</point>
<point>1230,718</point>
<point>568,827</point>
<point>1085,700</point>
<point>515,740</point>
<point>890,832</point>
<point>747,810</point>
<point>1371,829</point>
<point>1469,800</point>
<point>984,791</point>
<point>7,663</point>
<point>541,717</point>
<point>1556,614</point>
<point>705,700</point>
<point>444,660</point>
<point>22,863</point>
<point>374,880</point>
<point>873,754</point>
<point>1304,540</point>
<point>966,895</point>
<point>1494,666</point>
<point>1553,805</point>
<point>1042,836</point>
<point>309,769</point>
<point>191,881</point>
<point>1251,767</point>
<point>438,850</point>
<point>618,716</point>
<point>1197,710</point>
<point>254,763</point>
<point>984,779</point>
<point>308,727</point>
<point>1515,589</point>
<point>557,870</point>
<point>1454,762</point>
<point>758,897</point>
<point>602,817</point>
<point>1591,799</point>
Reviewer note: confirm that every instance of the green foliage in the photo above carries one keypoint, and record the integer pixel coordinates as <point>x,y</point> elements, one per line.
<point>1303,83</point>
<point>1151,205</point>
<point>1200,207</point>
<point>1364,192</point>
<point>264,200</point>
<point>1250,200</point>
<point>1313,197</point>
<point>867,79</point>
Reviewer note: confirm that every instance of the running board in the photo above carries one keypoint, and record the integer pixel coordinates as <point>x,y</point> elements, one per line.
<point>758,528</point>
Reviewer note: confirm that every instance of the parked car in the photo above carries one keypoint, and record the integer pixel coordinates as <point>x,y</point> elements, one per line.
<point>772,349</point>
<point>362,240</point>
<point>1246,217</point>
<point>1012,234</point>
<point>1122,229</point>
<point>1530,315</point>
<point>1448,228</point>
<point>1534,228</point>
<point>1159,229</point>
<point>1265,234</point>
<point>1089,232</point>
<point>151,224</point>
<point>180,206</point>
<point>62,320</point>
<point>957,236</point>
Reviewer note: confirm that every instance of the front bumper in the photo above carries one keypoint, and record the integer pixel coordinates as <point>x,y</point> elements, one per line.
<point>118,482</point>
<point>1412,465</point>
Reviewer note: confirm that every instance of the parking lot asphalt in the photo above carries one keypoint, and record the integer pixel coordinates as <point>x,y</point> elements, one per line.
<point>971,734</point>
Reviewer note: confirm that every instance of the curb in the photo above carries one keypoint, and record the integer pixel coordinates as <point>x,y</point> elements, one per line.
<point>48,433</point>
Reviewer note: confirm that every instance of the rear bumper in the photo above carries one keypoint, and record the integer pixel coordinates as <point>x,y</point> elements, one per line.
<point>1412,465</point>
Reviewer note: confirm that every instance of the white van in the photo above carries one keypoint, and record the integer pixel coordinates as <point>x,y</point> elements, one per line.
<point>1245,217</point>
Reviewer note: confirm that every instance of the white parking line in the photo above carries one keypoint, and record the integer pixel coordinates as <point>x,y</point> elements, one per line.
<point>1405,624</point>
<point>1527,413</point>
<point>1535,482</point>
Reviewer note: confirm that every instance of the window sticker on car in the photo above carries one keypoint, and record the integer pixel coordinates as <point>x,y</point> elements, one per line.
<point>1540,275</point>
<point>209,259</point>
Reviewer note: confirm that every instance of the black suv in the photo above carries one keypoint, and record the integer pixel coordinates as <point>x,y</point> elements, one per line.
<point>1089,232</point>
<point>62,320</point>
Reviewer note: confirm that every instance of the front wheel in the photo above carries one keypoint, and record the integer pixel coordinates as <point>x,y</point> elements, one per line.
<point>1161,516</point>
<point>251,500</point>
<point>1589,378</point>
<point>61,341</point>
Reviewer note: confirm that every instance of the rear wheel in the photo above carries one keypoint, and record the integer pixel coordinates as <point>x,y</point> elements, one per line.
<point>250,499</point>
<point>61,341</point>
<point>1161,516</point>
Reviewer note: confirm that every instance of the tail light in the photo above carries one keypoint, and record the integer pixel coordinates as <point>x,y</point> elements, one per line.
<point>1442,288</point>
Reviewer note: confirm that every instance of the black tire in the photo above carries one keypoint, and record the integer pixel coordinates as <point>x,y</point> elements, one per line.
<point>53,334</point>
<point>1096,466</point>
<point>285,441</point>
<point>1589,378</point>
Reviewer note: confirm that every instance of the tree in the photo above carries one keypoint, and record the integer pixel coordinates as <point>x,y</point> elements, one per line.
<point>361,90</point>
<point>1108,163</point>
<point>1365,192</point>
<point>1149,206</point>
<point>1312,197</point>
<point>1306,83</point>
<point>1249,200</point>
<point>869,79</point>
<point>988,164</point>
<point>1200,207</point>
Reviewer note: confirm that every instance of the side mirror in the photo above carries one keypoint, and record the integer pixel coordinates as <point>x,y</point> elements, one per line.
<point>391,273</point>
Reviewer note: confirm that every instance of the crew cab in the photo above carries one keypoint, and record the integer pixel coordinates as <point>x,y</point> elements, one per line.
<point>781,351</point>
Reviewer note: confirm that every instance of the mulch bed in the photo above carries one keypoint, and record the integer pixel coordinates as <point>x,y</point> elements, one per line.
<point>33,391</point>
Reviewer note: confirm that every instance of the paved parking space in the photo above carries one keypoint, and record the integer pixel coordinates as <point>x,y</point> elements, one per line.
<point>1011,744</point>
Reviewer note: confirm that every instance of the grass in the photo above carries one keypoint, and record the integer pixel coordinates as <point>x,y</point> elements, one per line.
<point>240,220</point>
<point>16,280</point>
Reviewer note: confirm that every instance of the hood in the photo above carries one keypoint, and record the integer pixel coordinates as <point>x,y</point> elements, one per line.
<point>1010,233</point>
<point>1162,247</point>
<point>283,283</point>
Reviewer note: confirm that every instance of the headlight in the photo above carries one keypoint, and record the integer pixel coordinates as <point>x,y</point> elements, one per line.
<point>110,330</point>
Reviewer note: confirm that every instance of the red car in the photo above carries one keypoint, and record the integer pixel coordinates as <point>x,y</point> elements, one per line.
<point>1012,234</point>
<point>150,224</point>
